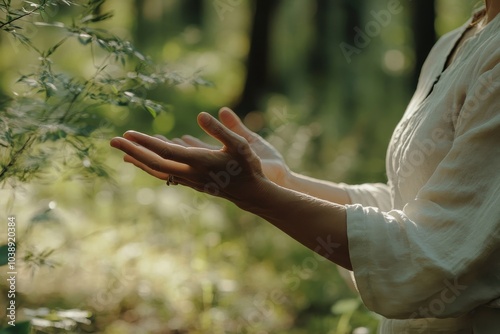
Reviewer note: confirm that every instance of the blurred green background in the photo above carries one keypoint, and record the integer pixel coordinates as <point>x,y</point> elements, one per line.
<point>144,258</point>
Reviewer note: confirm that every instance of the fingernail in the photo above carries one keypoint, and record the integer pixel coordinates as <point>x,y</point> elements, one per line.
<point>204,118</point>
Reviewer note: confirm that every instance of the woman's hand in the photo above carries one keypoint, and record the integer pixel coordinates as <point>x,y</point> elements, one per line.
<point>233,172</point>
<point>272,162</point>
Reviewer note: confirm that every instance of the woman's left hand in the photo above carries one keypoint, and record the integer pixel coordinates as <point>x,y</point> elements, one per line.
<point>233,172</point>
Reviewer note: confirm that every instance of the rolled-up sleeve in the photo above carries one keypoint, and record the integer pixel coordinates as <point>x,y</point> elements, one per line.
<point>370,194</point>
<point>438,256</point>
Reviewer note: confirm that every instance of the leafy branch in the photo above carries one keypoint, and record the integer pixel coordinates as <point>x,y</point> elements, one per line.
<point>14,157</point>
<point>20,13</point>
<point>49,122</point>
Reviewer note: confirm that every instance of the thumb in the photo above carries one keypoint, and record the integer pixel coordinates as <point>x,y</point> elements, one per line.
<point>233,122</point>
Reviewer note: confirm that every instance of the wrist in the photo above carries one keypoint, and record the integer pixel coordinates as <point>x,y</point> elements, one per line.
<point>291,180</point>
<point>260,193</point>
<point>287,179</point>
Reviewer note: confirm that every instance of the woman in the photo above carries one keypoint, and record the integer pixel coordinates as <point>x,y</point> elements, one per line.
<point>423,248</point>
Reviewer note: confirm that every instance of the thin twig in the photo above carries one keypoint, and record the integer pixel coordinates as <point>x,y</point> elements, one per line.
<point>15,156</point>
<point>21,16</point>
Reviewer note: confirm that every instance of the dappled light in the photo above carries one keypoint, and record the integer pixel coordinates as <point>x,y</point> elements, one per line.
<point>102,247</point>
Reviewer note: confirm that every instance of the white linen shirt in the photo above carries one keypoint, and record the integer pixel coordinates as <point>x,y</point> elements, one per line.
<point>425,248</point>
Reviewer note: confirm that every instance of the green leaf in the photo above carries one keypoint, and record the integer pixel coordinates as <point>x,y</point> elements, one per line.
<point>55,47</point>
<point>151,111</point>
<point>50,24</point>
<point>3,255</point>
<point>97,17</point>
<point>103,44</point>
<point>44,216</point>
<point>84,38</point>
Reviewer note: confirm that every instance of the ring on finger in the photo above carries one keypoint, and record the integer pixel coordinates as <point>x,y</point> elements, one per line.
<point>171,181</point>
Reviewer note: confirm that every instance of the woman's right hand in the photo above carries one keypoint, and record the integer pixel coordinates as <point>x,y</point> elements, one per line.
<point>273,164</point>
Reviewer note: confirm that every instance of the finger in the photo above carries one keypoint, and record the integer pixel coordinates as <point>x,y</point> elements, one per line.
<point>149,158</point>
<point>195,142</point>
<point>144,167</point>
<point>187,183</point>
<point>164,149</point>
<point>179,141</point>
<point>175,180</point>
<point>162,138</point>
<point>217,130</point>
<point>234,123</point>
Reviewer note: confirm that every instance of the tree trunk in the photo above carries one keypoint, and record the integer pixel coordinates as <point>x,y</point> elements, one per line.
<point>353,12</point>
<point>192,11</point>
<point>257,79</point>
<point>321,58</point>
<point>424,33</point>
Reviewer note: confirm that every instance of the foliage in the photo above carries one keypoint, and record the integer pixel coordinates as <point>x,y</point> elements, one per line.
<point>51,126</point>
<point>50,121</point>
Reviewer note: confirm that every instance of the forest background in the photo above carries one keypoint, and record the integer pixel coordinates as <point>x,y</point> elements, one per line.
<point>103,248</point>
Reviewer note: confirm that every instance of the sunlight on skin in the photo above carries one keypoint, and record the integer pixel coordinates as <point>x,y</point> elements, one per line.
<point>492,9</point>
<point>192,166</point>
<point>236,167</point>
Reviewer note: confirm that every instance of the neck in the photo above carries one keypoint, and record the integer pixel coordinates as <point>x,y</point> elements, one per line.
<point>492,9</point>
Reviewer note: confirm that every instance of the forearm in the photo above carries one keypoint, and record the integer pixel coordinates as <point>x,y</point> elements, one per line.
<point>325,190</point>
<point>318,224</point>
